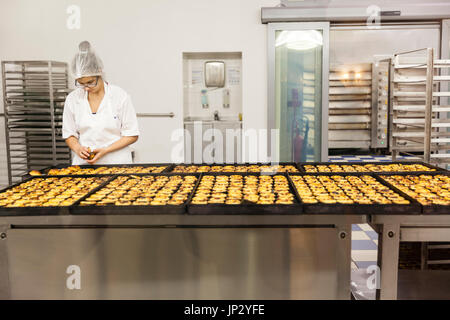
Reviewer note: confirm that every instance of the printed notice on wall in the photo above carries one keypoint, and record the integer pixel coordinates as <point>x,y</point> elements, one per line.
<point>234,76</point>
<point>197,77</point>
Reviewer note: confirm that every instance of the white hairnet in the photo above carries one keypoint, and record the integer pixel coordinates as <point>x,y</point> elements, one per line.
<point>86,63</point>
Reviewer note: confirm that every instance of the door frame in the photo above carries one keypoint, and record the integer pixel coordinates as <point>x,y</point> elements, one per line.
<point>271,116</point>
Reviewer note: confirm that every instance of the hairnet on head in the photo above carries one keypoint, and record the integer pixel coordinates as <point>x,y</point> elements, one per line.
<point>86,63</point>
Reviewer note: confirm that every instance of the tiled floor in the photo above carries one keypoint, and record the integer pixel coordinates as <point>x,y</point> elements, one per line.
<point>364,245</point>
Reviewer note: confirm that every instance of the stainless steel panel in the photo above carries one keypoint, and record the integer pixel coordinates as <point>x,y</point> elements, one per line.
<point>339,10</point>
<point>337,68</point>
<point>349,144</point>
<point>349,135</point>
<point>174,263</point>
<point>350,104</point>
<point>350,119</point>
<point>228,141</point>
<point>350,97</point>
<point>418,234</point>
<point>380,103</point>
<point>349,111</point>
<point>350,90</point>
<point>344,126</point>
<point>383,42</point>
<point>351,83</point>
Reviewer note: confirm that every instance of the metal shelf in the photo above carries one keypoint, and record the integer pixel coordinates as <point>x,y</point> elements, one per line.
<point>418,117</point>
<point>34,93</point>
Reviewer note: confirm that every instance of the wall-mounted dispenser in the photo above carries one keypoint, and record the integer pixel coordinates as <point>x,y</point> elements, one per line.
<point>214,74</point>
<point>205,103</point>
<point>226,98</point>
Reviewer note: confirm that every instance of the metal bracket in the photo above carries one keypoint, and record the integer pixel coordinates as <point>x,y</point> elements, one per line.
<point>5,291</point>
<point>344,259</point>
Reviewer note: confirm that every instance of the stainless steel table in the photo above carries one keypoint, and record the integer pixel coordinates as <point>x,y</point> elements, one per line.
<point>395,228</point>
<point>176,256</point>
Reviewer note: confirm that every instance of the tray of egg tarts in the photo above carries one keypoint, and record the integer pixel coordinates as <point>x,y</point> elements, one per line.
<point>110,169</point>
<point>367,167</point>
<point>47,195</point>
<point>244,193</point>
<point>238,168</point>
<point>431,190</point>
<point>351,193</point>
<point>164,193</point>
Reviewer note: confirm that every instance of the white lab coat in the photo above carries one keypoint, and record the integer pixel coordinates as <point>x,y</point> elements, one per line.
<point>114,119</point>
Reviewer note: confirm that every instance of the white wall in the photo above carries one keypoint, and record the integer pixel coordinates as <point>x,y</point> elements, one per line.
<point>141,44</point>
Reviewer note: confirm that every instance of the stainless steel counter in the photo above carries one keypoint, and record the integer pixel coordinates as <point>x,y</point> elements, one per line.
<point>408,228</point>
<point>177,257</point>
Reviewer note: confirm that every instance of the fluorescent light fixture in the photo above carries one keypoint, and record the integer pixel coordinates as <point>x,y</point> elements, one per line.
<point>299,39</point>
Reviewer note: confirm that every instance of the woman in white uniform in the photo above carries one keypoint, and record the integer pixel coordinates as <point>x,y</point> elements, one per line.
<point>98,116</point>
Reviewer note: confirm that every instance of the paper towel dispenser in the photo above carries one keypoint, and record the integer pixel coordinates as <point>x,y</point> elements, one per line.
<point>214,74</point>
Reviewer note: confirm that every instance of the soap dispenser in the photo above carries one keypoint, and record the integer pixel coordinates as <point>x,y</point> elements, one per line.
<point>226,98</point>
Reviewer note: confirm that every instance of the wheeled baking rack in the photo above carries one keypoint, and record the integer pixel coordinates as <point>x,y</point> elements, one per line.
<point>419,120</point>
<point>34,93</point>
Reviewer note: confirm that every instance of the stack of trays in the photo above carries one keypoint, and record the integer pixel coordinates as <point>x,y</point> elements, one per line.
<point>156,189</point>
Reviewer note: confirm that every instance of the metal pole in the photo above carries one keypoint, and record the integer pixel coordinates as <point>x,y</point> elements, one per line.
<point>388,252</point>
<point>428,105</point>
<point>52,111</point>
<point>5,107</point>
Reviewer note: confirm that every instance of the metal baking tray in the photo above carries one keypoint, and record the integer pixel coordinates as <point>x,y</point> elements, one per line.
<point>61,166</point>
<point>426,209</point>
<point>379,209</point>
<point>236,164</point>
<point>245,208</point>
<point>76,209</point>
<point>438,169</point>
<point>42,211</point>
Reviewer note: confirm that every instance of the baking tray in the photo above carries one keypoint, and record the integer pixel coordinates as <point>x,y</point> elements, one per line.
<point>45,170</point>
<point>76,209</point>
<point>426,209</point>
<point>438,169</point>
<point>245,208</point>
<point>236,164</point>
<point>42,211</point>
<point>378,209</point>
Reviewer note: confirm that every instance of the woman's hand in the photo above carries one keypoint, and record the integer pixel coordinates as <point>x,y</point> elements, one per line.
<point>83,152</point>
<point>99,153</point>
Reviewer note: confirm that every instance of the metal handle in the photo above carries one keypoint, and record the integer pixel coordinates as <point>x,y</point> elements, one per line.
<point>155,115</point>
<point>169,115</point>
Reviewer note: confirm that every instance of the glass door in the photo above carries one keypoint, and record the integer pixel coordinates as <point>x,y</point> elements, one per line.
<point>298,90</point>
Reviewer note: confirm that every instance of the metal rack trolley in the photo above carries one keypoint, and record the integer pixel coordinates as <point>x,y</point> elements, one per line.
<point>418,121</point>
<point>34,93</point>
